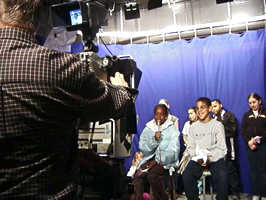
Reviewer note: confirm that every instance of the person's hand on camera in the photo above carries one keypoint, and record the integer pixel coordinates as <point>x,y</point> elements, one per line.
<point>119,80</point>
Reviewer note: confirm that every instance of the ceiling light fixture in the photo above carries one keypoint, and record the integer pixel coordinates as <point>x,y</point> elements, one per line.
<point>131,10</point>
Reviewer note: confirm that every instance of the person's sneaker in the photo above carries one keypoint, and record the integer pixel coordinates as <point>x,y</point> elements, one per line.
<point>146,196</point>
<point>235,197</point>
<point>254,197</point>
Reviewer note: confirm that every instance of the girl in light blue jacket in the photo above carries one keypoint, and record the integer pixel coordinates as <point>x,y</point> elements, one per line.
<point>159,143</point>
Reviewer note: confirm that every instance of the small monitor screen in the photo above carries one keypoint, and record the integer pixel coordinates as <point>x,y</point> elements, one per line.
<point>75,17</point>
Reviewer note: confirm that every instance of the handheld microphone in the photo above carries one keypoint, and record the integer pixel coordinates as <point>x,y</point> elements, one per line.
<point>158,123</point>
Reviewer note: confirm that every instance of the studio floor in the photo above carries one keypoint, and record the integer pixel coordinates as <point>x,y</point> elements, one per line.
<point>208,197</point>
<point>180,197</point>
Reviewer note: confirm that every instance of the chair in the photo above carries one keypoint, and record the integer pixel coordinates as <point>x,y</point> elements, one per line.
<point>206,173</point>
<point>171,186</point>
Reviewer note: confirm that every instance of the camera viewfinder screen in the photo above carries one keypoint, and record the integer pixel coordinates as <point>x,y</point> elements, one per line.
<point>75,17</point>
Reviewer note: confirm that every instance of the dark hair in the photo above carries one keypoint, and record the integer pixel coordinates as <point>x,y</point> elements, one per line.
<point>192,108</point>
<point>195,110</point>
<point>206,100</point>
<point>257,97</point>
<point>217,100</point>
<point>165,109</point>
<point>17,12</point>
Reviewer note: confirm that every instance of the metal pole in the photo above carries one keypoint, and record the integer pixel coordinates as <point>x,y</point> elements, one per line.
<point>192,13</point>
<point>229,11</point>
<point>264,2</point>
<point>121,19</point>
<point>185,2</point>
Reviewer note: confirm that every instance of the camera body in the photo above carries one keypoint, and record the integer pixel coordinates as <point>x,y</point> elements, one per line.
<point>95,63</point>
<point>114,141</point>
<point>108,66</point>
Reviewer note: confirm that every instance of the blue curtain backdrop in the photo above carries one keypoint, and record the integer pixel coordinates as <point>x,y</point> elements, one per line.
<point>228,67</point>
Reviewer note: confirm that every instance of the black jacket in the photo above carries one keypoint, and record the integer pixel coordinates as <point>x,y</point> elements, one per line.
<point>252,126</point>
<point>230,126</point>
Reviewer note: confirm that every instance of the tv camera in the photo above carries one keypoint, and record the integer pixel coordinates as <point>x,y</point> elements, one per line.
<point>110,137</point>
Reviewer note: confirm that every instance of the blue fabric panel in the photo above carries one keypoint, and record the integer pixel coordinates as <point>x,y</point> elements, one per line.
<point>77,47</point>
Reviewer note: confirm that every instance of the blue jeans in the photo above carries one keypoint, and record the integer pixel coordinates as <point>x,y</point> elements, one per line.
<point>194,171</point>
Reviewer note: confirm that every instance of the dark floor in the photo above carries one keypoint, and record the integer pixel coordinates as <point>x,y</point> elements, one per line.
<point>95,196</point>
<point>208,197</point>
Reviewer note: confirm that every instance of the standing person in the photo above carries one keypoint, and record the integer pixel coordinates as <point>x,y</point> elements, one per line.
<point>173,118</point>
<point>206,145</point>
<point>254,134</point>
<point>160,146</point>
<point>192,116</point>
<point>43,93</point>
<point>229,121</point>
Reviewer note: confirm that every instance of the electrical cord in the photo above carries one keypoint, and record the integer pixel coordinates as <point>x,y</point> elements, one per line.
<point>106,46</point>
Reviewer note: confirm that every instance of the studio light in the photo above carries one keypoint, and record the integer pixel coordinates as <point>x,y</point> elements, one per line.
<point>152,4</point>
<point>131,10</point>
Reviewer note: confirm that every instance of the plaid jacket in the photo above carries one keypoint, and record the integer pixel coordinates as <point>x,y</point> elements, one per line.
<point>42,94</point>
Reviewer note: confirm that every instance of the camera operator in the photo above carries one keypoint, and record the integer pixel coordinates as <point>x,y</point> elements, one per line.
<point>42,94</point>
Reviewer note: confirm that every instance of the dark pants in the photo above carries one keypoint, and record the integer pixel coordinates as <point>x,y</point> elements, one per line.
<point>233,177</point>
<point>258,169</point>
<point>155,178</point>
<point>194,171</point>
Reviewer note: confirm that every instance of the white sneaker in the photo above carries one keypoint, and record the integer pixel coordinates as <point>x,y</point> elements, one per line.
<point>254,197</point>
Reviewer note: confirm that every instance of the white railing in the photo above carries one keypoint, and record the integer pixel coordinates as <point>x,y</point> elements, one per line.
<point>228,24</point>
